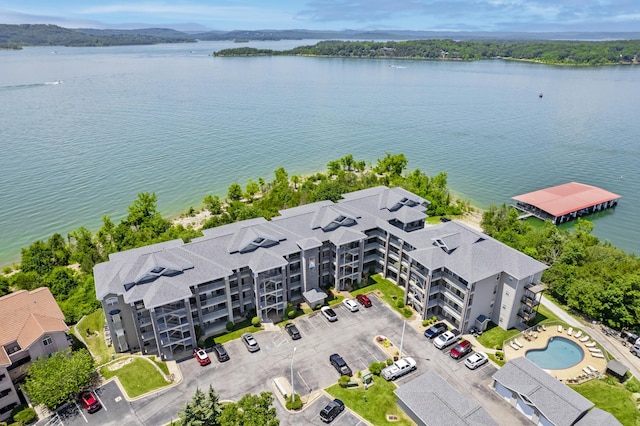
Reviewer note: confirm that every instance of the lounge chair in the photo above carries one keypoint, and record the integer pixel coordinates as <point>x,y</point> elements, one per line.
<point>513,345</point>
<point>543,327</point>
<point>594,350</point>
<point>518,343</point>
<point>570,331</point>
<point>578,334</point>
<point>590,344</point>
<point>560,329</point>
<point>597,355</point>
<point>595,370</point>
<point>584,339</point>
<point>587,371</point>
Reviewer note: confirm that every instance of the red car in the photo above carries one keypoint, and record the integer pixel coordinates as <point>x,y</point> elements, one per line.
<point>364,300</point>
<point>461,349</point>
<point>90,402</point>
<point>201,356</point>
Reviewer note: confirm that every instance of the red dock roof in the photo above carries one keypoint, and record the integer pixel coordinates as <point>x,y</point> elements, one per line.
<point>563,199</point>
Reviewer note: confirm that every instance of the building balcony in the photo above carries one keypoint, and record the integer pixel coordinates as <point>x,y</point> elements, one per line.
<point>212,301</point>
<point>215,314</point>
<point>530,301</point>
<point>526,315</point>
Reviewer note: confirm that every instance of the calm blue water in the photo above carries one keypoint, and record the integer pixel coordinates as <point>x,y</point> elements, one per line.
<point>172,120</point>
<point>560,353</point>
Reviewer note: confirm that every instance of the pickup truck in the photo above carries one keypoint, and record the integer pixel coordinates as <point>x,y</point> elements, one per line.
<point>398,368</point>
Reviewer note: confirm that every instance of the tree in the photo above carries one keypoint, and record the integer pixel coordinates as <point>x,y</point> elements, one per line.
<point>334,167</point>
<point>202,410</point>
<point>255,410</point>
<point>252,189</point>
<point>213,204</point>
<point>392,164</point>
<point>235,192</point>
<point>61,281</point>
<point>57,379</point>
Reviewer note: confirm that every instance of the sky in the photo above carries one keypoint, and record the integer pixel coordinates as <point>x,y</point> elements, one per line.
<point>424,15</point>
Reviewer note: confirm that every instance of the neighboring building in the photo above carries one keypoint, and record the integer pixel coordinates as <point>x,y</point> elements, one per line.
<point>32,325</point>
<point>430,401</point>
<point>154,297</point>
<point>544,399</point>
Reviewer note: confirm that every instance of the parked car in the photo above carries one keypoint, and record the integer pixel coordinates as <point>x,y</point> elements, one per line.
<point>351,305</point>
<point>445,339</point>
<point>398,368</point>
<point>250,342</point>
<point>476,360</point>
<point>221,352</point>
<point>364,300</point>
<point>90,402</point>
<point>293,331</point>
<point>340,365</point>
<point>332,410</point>
<point>201,355</point>
<point>329,313</point>
<point>460,350</point>
<point>435,330</point>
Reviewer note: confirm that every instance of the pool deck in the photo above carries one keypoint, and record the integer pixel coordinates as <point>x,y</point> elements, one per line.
<point>575,374</point>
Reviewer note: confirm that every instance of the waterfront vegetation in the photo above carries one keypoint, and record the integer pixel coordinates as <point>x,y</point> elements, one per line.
<point>548,52</point>
<point>592,278</point>
<point>374,403</point>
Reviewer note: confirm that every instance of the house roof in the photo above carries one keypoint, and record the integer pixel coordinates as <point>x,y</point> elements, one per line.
<point>434,402</point>
<point>28,315</point>
<point>556,401</point>
<point>597,417</point>
<point>569,197</point>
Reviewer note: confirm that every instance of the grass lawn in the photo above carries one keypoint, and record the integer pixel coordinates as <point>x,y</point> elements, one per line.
<point>615,399</point>
<point>130,377</point>
<point>245,327</point>
<point>380,401</point>
<point>94,324</point>
<point>493,336</point>
<point>391,293</point>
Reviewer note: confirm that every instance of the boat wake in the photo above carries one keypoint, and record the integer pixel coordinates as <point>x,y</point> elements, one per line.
<point>27,86</point>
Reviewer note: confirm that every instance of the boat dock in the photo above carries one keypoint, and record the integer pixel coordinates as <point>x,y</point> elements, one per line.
<point>565,202</point>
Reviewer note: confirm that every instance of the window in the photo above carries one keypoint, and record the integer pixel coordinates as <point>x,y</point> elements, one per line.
<point>507,292</point>
<point>504,306</point>
<point>112,301</point>
<point>46,341</point>
<point>13,349</point>
<point>2,376</point>
<point>495,289</point>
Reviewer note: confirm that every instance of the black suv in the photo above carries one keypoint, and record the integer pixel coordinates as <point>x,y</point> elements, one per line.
<point>339,364</point>
<point>221,352</point>
<point>435,330</point>
<point>332,410</point>
<point>293,331</point>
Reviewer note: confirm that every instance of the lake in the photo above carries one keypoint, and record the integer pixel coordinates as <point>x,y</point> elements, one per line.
<point>84,130</point>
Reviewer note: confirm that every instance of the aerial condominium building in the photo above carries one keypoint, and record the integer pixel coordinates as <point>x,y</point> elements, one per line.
<point>155,297</point>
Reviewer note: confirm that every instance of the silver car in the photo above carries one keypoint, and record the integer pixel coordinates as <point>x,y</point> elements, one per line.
<point>250,342</point>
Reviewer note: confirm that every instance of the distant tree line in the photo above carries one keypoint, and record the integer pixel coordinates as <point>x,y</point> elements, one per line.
<point>65,265</point>
<point>548,52</point>
<point>16,36</point>
<point>591,277</point>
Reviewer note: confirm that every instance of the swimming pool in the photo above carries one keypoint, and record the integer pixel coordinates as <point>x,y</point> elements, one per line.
<point>559,354</point>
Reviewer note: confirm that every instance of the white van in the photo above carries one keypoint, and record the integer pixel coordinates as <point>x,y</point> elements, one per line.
<point>635,349</point>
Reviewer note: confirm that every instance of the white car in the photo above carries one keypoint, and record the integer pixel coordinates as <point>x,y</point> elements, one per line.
<point>351,305</point>
<point>329,313</point>
<point>445,339</point>
<point>476,360</point>
<point>398,368</point>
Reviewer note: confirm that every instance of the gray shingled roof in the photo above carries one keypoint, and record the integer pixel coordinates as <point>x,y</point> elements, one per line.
<point>555,400</point>
<point>598,417</point>
<point>433,401</point>
<point>264,260</point>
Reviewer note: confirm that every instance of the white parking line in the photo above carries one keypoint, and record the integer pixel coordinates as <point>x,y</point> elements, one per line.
<point>306,385</point>
<point>100,399</point>
<point>81,413</point>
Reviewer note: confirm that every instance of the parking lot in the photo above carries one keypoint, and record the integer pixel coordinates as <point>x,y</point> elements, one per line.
<point>352,336</point>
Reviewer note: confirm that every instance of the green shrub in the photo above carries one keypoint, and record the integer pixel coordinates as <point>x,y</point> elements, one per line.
<point>343,381</point>
<point>230,326</point>
<point>376,367</point>
<point>407,312</point>
<point>425,323</point>
<point>632,385</point>
<point>25,416</point>
<point>294,404</point>
<point>434,318</point>
<point>7,270</point>
<point>17,409</point>
<point>255,321</point>
<point>400,304</point>
<point>499,355</point>
<point>291,313</point>
<point>610,380</point>
<point>389,361</point>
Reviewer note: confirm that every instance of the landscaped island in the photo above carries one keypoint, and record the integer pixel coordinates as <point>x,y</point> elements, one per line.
<point>548,52</point>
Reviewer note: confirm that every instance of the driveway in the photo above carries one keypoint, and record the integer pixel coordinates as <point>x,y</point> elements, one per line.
<point>352,336</point>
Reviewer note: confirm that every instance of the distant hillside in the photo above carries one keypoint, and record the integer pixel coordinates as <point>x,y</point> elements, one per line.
<point>16,36</point>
